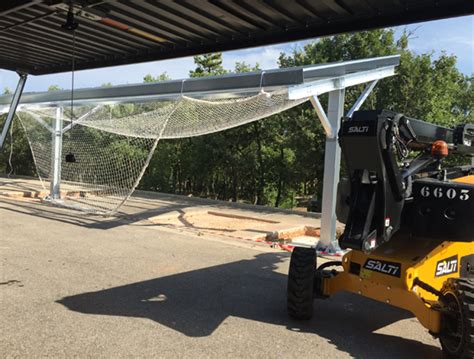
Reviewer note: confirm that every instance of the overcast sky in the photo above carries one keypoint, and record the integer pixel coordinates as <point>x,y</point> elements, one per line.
<point>454,36</point>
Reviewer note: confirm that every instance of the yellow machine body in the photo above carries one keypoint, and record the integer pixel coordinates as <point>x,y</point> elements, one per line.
<point>415,258</point>
<point>388,273</point>
<point>466,180</point>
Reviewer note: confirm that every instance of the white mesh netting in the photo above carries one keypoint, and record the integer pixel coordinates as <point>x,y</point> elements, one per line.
<point>113,144</point>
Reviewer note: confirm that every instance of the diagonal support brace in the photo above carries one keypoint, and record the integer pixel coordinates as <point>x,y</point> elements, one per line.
<point>328,128</point>
<point>78,120</point>
<point>363,96</point>
<point>42,122</point>
<point>13,106</point>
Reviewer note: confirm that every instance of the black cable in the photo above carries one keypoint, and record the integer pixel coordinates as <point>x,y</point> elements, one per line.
<point>71,26</point>
<point>73,60</point>
<point>70,156</point>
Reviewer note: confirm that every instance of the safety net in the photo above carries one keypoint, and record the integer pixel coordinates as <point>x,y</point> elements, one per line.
<point>95,162</point>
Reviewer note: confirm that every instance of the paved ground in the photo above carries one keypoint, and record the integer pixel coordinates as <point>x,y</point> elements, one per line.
<point>75,285</point>
<point>201,216</point>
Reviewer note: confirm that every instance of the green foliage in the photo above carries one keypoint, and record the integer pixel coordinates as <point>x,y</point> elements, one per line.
<point>54,88</point>
<point>208,65</point>
<point>429,89</point>
<point>21,159</point>
<point>161,77</point>
<point>274,160</point>
<point>241,67</point>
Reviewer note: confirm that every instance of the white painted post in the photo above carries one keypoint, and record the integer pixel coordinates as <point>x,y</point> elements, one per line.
<point>332,165</point>
<point>57,139</point>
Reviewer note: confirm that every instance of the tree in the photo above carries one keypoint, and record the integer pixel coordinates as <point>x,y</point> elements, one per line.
<point>430,89</point>
<point>161,77</point>
<point>241,67</point>
<point>15,157</point>
<point>208,65</point>
<point>272,161</point>
<point>276,159</point>
<point>54,88</point>
<point>426,88</point>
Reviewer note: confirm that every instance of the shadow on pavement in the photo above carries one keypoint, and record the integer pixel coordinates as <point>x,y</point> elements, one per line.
<point>74,217</point>
<point>140,208</point>
<point>195,303</point>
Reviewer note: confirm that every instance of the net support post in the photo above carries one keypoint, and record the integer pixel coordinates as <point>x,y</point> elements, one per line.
<point>13,105</point>
<point>57,138</point>
<point>332,164</point>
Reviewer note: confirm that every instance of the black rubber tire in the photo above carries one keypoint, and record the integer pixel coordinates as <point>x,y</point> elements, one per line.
<point>300,295</point>
<point>460,293</point>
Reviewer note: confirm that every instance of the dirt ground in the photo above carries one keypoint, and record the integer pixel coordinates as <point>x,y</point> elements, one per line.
<point>197,215</point>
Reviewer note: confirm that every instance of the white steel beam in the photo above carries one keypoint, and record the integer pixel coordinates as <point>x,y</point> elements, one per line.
<point>230,85</point>
<point>319,87</point>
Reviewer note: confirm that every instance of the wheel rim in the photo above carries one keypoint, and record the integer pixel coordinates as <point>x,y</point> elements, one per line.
<point>453,325</point>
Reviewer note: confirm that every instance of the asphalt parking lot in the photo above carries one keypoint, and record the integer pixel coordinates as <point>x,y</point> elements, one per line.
<point>76,285</point>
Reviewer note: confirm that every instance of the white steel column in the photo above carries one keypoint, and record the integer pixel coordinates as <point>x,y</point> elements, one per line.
<point>57,139</point>
<point>332,165</point>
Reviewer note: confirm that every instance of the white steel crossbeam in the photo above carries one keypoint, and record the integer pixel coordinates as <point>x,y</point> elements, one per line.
<point>315,88</point>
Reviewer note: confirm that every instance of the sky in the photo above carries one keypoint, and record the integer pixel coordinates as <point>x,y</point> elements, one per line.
<point>454,36</point>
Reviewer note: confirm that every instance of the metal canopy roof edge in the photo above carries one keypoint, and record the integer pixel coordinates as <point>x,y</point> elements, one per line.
<point>231,83</point>
<point>123,32</point>
<point>289,36</point>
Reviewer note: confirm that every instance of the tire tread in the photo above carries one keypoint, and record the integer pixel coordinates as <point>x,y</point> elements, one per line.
<point>301,283</point>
